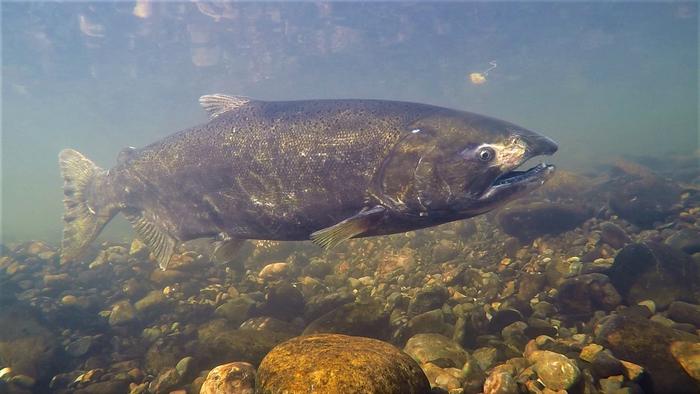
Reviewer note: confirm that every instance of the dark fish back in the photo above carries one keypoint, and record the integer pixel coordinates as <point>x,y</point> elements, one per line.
<point>274,170</point>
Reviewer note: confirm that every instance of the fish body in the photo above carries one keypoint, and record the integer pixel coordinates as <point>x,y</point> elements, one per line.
<point>325,170</point>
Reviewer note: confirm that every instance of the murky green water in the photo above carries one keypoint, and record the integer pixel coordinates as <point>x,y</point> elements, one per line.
<point>589,284</point>
<point>602,79</point>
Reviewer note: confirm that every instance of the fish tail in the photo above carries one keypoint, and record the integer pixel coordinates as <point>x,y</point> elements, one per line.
<point>83,217</point>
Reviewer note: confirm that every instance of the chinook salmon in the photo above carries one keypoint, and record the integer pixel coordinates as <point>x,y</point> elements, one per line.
<point>325,170</point>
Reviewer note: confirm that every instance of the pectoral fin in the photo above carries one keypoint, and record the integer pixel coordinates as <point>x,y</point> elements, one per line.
<point>161,244</point>
<point>348,228</point>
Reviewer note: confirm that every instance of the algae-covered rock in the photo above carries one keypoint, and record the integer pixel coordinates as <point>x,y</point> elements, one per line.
<point>648,344</point>
<point>688,356</point>
<point>654,271</point>
<point>332,363</point>
<point>436,349</point>
<point>428,298</point>
<point>232,378</point>
<point>220,344</point>
<point>236,310</point>
<point>369,320</point>
<point>644,201</point>
<point>153,302</point>
<point>686,240</point>
<point>613,235</point>
<point>529,221</point>
<point>165,382</point>
<point>684,312</point>
<point>555,370</point>
<point>283,301</point>
<point>122,313</point>
<point>586,293</point>
<point>500,382</point>
<point>26,345</point>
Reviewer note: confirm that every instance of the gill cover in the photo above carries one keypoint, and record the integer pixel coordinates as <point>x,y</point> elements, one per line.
<point>407,180</point>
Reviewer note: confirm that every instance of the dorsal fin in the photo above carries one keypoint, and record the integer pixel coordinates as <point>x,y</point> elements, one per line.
<point>217,104</point>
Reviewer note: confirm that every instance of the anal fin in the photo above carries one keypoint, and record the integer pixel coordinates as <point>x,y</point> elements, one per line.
<point>348,228</point>
<point>161,244</point>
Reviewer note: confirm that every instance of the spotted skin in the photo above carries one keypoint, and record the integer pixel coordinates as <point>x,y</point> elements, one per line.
<point>283,170</point>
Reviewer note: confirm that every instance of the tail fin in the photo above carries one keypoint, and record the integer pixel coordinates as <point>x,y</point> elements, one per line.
<point>82,219</point>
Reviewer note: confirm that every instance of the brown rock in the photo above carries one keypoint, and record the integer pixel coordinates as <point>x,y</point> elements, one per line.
<point>436,349</point>
<point>332,363</point>
<point>688,356</point>
<point>684,312</point>
<point>219,344</point>
<point>274,271</point>
<point>369,320</point>
<point>556,371</point>
<point>58,281</point>
<point>654,271</point>
<point>500,382</point>
<point>391,262</point>
<point>529,221</point>
<point>647,343</point>
<point>586,293</point>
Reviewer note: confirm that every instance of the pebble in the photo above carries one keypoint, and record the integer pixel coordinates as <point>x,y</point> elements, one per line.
<point>23,381</point>
<point>686,240</point>
<point>274,271</point>
<point>436,349</point>
<point>604,364</point>
<point>428,298</point>
<point>57,281</point>
<point>688,356</point>
<point>80,346</point>
<point>151,302</point>
<point>556,371</point>
<point>500,383</point>
<point>504,317</point>
<point>231,378</point>
<point>486,357</point>
<point>632,371</point>
<point>684,312</point>
<point>69,300</point>
<point>235,310</point>
<point>613,235</point>
<point>649,304</point>
<point>122,313</point>
<point>185,367</point>
<point>589,352</point>
<point>165,382</point>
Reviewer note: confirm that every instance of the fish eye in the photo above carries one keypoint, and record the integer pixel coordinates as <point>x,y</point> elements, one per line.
<point>486,154</point>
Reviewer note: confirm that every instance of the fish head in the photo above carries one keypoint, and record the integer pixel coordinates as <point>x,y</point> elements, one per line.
<point>460,165</point>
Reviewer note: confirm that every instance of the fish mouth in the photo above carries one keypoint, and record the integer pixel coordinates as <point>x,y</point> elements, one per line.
<point>514,183</point>
<point>540,172</point>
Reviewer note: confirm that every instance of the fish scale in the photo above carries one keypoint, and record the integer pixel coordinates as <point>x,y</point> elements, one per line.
<point>325,170</point>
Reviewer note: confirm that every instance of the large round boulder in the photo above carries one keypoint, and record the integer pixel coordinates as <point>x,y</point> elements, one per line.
<point>649,344</point>
<point>27,345</point>
<point>334,363</point>
<point>358,319</point>
<point>529,221</point>
<point>657,272</point>
<point>644,200</point>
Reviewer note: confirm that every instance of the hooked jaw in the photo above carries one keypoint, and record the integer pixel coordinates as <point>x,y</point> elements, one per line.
<point>512,183</point>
